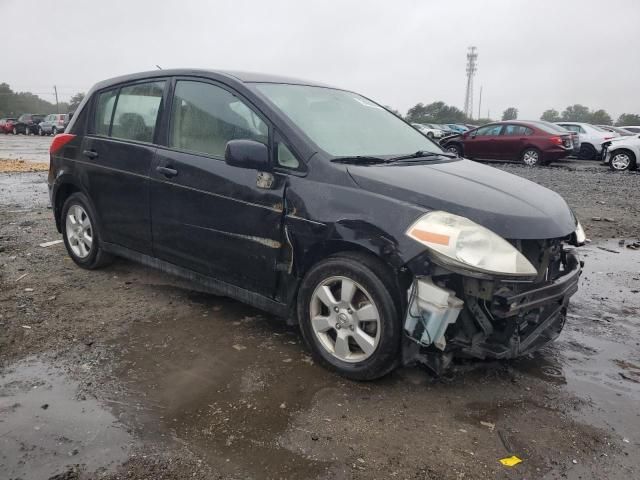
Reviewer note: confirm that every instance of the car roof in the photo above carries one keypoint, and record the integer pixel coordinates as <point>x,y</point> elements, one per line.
<point>238,76</point>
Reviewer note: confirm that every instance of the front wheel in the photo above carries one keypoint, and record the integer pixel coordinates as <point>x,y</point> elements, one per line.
<point>81,233</point>
<point>455,149</point>
<point>349,318</point>
<point>622,160</point>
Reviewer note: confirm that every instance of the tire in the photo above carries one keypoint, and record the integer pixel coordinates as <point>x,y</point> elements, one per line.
<point>621,160</point>
<point>430,135</point>
<point>91,256</point>
<point>531,157</point>
<point>341,330</point>
<point>454,148</point>
<point>587,152</point>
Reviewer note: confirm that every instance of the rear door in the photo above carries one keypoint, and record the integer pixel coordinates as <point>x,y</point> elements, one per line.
<point>117,155</point>
<point>208,216</point>
<point>513,140</point>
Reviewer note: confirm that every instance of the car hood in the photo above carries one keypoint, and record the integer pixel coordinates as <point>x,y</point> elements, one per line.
<point>508,205</point>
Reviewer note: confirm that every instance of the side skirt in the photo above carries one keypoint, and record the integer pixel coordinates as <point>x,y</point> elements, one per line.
<point>210,284</point>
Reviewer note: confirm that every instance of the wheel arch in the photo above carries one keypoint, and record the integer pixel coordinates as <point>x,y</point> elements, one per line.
<point>63,188</point>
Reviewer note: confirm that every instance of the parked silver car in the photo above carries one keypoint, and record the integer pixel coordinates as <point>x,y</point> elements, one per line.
<point>591,138</point>
<point>52,124</point>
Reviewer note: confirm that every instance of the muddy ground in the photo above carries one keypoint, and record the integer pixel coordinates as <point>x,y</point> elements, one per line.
<point>129,373</point>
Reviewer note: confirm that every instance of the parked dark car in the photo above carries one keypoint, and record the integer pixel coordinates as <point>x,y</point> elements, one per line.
<point>533,143</point>
<point>319,206</point>
<point>52,124</point>
<point>27,124</point>
<point>6,125</point>
<point>67,119</point>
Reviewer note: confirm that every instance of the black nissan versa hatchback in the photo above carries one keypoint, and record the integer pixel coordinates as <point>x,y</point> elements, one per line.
<point>320,206</point>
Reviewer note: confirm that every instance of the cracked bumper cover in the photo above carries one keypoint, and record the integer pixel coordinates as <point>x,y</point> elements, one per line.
<point>547,303</point>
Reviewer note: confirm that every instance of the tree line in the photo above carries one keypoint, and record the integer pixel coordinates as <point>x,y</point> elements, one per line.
<point>14,104</point>
<point>440,112</point>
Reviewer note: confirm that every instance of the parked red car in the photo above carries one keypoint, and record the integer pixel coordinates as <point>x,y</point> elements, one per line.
<point>6,125</point>
<point>531,142</point>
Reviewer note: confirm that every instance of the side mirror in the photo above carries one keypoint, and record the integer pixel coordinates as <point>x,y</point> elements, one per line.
<point>247,154</point>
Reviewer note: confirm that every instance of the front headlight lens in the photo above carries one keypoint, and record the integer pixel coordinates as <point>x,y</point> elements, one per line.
<point>470,245</point>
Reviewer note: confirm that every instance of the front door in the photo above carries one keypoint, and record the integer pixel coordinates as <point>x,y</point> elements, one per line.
<point>207,216</point>
<point>481,143</point>
<point>117,155</point>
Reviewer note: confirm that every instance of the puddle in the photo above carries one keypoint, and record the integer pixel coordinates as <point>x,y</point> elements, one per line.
<point>24,190</point>
<point>45,427</point>
<point>226,379</point>
<point>597,356</point>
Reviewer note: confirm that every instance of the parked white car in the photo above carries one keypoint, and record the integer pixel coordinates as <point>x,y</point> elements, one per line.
<point>429,131</point>
<point>591,138</point>
<point>632,128</point>
<point>622,153</point>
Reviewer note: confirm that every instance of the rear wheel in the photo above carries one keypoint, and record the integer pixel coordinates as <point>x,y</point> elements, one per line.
<point>349,318</point>
<point>532,157</point>
<point>587,152</point>
<point>622,160</point>
<point>430,135</point>
<point>81,233</point>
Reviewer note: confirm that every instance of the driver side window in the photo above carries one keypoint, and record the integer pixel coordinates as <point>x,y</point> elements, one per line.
<point>205,117</point>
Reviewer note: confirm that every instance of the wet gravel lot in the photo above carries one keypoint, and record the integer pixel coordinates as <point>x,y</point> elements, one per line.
<point>130,373</point>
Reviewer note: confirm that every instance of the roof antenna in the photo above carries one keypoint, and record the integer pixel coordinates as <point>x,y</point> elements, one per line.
<point>159,67</point>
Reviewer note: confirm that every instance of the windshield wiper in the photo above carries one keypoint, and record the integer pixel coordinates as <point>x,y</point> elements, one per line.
<point>360,159</point>
<point>419,155</point>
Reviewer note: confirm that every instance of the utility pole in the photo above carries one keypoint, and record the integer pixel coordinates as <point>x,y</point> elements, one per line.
<point>472,67</point>
<point>480,103</point>
<point>56,92</point>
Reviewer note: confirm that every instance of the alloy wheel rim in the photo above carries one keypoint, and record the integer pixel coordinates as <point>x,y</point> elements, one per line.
<point>345,319</point>
<point>621,161</point>
<point>453,150</point>
<point>530,157</point>
<point>79,231</point>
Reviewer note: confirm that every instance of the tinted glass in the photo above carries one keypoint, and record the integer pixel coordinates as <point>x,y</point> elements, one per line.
<point>104,109</point>
<point>205,117</point>
<point>137,111</point>
<point>343,123</point>
<point>489,130</point>
<point>286,158</point>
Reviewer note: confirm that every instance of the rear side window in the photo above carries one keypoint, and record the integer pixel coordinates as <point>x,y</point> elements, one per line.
<point>517,130</point>
<point>205,117</point>
<point>104,111</point>
<point>137,111</point>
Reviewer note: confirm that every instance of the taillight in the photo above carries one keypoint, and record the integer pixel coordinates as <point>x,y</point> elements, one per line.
<point>608,138</point>
<point>60,141</point>
<point>556,140</point>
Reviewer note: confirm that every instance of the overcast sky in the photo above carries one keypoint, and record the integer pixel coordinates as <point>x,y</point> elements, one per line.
<point>533,55</point>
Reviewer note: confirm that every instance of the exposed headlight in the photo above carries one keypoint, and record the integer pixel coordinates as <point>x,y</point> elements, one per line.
<point>580,236</point>
<point>469,245</point>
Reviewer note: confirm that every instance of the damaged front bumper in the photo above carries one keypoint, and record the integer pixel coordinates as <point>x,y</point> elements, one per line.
<point>449,314</point>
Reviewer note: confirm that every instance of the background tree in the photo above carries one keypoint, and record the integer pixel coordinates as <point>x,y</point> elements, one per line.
<point>14,104</point>
<point>628,119</point>
<point>550,115</point>
<point>510,113</point>
<point>600,117</point>
<point>74,103</point>
<point>576,113</point>
<point>436,112</point>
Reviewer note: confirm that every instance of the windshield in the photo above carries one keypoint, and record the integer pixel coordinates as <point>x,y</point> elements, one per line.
<point>344,124</point>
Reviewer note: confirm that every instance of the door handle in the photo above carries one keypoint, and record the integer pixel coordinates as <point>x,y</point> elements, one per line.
<point>90,154</point>
<point>167,171</point>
